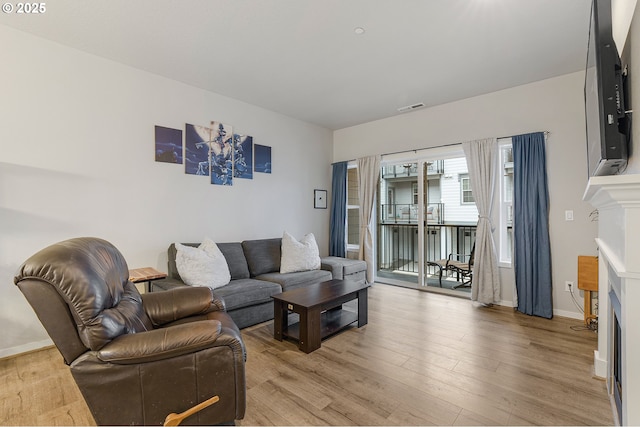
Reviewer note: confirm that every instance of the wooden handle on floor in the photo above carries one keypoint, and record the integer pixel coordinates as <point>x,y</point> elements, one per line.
<point>174,419</point>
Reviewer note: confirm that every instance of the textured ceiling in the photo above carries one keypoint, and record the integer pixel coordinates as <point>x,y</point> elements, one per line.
<point>302,58</point>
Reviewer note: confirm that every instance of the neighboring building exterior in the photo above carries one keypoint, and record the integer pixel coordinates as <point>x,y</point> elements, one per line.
<point>450,213</point>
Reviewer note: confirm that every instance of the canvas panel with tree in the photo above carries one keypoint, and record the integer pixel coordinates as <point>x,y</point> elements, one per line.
<point>196,144</point>
<point>221,152</point>
<point>242,156</point>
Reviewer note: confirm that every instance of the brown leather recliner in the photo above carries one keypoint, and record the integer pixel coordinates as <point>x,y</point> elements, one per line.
<point>136,358</point>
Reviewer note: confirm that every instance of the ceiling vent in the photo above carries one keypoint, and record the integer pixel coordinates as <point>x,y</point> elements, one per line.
<point>411,107</point>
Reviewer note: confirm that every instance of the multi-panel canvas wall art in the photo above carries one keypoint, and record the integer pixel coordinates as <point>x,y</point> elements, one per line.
<point>212,151</point>
<point>168,145</point>
<point>221,152</point>
<point>242,156</point>
<point>262,158</point>
<point>196,143</point>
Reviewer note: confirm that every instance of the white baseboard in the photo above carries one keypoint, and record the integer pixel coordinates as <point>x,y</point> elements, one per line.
<point>599,365</point>
<point>561,313</point>
<point>12,351</point>
<point>569,314</point>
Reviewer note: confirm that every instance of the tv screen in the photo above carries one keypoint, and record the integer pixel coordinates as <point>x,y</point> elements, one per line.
<point>603,93</point>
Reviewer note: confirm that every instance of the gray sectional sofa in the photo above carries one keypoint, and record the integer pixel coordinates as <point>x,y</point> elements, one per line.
<point>255,276</point>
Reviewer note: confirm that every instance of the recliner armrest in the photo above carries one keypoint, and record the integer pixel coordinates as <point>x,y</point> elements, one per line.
<point>174,304</point>
<point>161,344</point>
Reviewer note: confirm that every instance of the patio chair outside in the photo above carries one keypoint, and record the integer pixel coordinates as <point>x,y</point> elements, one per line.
<point>456,263</point>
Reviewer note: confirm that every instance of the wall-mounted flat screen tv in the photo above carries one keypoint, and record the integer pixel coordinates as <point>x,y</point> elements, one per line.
<point>604,97</point>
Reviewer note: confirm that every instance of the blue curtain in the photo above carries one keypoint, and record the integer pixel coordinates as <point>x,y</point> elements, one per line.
<point>532,250</point>
<point>338,210</point>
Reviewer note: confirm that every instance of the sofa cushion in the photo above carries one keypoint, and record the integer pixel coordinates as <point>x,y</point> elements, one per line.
<point>353,266</point>
<point>202,266</point>
<point>252,315</point>
<point>173,269</point>
<point>300,255</point>
<point>263,256</point>
<point>246,292</point>
<point>232,252</point>
<point>290,281</point>
<point>343,267</point>
<point>236,261</point>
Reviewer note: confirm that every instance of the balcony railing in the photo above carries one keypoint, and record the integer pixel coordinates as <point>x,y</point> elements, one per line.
<point>435,168</point>
<point>400,171</point>
<point>411,170</point>
<point>408,213</point>
<point>398,245</point>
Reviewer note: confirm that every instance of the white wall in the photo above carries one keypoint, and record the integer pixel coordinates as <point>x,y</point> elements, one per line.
<point>622,12</point>
<point>77,159</point>
<point>555,105</point>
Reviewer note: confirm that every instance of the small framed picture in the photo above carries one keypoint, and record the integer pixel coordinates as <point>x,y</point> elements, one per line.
<point>320,199</point>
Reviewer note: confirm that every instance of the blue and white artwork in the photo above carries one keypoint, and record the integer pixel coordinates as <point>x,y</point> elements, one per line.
<point>262,158</point>
<point>221,151</point>
<point>168,145</point>
<point>196,144</point>
<point>242,156</point>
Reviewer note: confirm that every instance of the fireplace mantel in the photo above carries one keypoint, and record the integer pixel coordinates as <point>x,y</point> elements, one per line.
<point>614,189</point>
<point>617,199</point>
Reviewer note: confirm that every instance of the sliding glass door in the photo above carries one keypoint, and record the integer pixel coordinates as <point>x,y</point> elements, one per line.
<point>426,213</point>
<point>398,213</point>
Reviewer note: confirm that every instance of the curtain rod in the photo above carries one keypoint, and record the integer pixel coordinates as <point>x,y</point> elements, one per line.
<point>546,134</point>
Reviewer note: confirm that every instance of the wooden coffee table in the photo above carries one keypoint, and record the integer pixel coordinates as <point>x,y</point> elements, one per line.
<point>320,309</point>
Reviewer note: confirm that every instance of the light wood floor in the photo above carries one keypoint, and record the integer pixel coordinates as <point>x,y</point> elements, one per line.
<point>423,359</point>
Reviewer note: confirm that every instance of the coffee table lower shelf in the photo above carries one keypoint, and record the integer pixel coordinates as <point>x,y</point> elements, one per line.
<point>331,321</point>
<point>319,307</point>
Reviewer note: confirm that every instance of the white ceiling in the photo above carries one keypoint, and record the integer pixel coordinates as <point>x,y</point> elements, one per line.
<point>302,58</point>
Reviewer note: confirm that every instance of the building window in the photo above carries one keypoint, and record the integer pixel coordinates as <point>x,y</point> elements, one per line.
<point>505,234</point>
<point>466,196</point>
<point>353,209</point>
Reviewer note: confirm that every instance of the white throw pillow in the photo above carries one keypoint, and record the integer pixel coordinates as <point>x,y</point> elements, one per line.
<point>202,266</point>
<point>300,255</point>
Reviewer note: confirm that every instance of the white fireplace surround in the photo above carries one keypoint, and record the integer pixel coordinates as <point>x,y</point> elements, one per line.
<point>617,199</point>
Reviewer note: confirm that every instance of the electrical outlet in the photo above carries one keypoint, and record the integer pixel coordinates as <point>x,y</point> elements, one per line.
<point>567,286</point>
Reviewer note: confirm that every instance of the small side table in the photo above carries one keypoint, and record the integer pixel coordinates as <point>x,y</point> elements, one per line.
<point>588,282</point>
<point>146,274</point>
